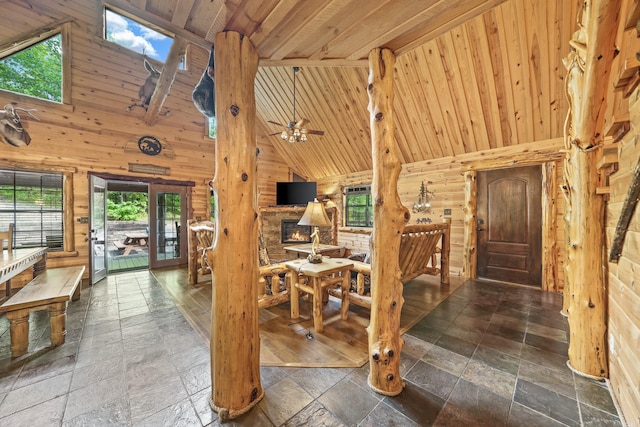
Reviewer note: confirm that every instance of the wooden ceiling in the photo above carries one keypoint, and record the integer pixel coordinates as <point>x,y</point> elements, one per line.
<point>470,74</point>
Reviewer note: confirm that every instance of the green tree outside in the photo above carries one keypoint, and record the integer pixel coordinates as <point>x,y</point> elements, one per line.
<point>35,71</point>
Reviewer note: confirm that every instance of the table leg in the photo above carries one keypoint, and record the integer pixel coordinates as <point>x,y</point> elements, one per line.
<point>19,331</point>
<point>317,304</point>
<point>344,307</point>
<point>294,295</point>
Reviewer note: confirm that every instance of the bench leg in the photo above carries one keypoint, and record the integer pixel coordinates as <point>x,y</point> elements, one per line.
<point>76,293</point>
<point>19,331</point>
<point>57,321</point>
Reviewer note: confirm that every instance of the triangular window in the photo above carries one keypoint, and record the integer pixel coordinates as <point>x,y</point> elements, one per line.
<point>34,70</point>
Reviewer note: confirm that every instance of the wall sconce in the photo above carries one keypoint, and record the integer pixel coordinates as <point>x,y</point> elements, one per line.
<point>423,204</point>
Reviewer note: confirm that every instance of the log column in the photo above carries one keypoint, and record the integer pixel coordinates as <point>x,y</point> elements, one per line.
<point>587,83</point>
<point>235,339</point>
<point>389,219</point>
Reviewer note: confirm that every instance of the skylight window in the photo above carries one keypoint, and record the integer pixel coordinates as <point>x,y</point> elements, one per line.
<point>136,36</point>
<point>35,70</point>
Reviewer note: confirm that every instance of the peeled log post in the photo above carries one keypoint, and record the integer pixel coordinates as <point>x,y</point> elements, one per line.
<point>389,219</point>
<point>235,339</point>
<point>589,69</point>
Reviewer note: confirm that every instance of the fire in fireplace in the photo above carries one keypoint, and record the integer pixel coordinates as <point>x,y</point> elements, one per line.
<point>291,232</point>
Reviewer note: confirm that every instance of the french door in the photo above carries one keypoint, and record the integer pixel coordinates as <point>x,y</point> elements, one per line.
<point>97,228</point>
<point>167,224</point>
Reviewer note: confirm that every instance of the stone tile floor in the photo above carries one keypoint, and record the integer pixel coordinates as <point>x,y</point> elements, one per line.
<point>490,354</point>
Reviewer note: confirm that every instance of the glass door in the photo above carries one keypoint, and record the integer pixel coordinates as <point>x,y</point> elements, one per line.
<point>97,228</point>
<point>167,220</point>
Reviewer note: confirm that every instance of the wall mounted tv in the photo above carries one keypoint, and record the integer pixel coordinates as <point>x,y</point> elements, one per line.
<point>295,193</point>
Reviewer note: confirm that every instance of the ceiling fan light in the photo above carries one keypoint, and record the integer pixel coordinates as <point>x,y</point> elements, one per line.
<point>303,130</point>
<point>303,137</point>
<point>292,139</point>
<point>284,135</point>
<point>296,132</point>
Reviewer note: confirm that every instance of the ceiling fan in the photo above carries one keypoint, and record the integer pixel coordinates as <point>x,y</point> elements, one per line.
<point>295,131</point>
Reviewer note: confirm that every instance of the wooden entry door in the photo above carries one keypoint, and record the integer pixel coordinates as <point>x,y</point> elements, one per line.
<point>509,216</point>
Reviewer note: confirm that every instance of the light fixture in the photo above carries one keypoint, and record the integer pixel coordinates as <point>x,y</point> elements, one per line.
<point>316,216</point>
<point>295,132</point>
<point>423,204</point>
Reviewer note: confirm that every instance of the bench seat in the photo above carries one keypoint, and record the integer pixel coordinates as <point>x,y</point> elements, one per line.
<point>50,290</point>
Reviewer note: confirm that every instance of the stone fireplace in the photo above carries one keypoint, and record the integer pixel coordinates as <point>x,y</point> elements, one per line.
<point>270,222</point>
<point>291,232</point>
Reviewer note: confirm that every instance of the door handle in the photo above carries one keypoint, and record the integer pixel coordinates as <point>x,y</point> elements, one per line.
<point>479,229</point>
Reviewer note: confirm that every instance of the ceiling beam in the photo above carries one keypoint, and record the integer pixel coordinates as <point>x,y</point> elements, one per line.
<point>168,74</point>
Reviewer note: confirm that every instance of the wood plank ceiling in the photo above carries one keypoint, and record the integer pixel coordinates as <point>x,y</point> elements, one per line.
<point>471,74</point>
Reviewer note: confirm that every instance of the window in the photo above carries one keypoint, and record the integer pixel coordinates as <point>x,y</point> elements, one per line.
<point>212,127</point>
<point>358,206</point>
<point>34,68</point>
<point>136,36</point>
<point>33,202</point>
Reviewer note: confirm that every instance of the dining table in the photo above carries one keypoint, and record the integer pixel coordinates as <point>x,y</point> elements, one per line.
<point>19,260</point>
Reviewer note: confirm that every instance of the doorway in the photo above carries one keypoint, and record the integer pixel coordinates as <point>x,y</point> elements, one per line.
<point>136,225</point>
<point>509,225</point>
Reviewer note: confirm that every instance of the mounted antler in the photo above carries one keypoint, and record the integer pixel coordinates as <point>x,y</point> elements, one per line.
<point>11,127</point>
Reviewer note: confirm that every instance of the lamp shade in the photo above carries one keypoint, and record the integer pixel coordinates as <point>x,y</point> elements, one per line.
<point>315,215</point>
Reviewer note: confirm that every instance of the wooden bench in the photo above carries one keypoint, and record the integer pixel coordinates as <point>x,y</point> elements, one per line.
<point>418,255</point>
<point>50,290</point>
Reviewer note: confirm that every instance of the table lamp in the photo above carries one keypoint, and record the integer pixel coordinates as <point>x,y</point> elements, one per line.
<point>316,216</point>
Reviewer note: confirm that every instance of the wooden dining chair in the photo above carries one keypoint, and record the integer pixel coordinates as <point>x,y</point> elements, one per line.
<point>8,236</point>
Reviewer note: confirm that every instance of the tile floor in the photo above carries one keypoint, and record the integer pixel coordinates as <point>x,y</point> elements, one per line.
<point>490,354</point>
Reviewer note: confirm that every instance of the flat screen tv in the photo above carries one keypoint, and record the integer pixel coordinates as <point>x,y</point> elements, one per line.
<point>295,193</point>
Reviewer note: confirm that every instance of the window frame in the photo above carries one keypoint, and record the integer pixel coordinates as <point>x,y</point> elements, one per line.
<point>37,36</point>
<point>68,237</point>
<point>358,190</point>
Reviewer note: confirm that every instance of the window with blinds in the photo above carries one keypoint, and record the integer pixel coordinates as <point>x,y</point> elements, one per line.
<point>33,202</point>
<point>358,206</point>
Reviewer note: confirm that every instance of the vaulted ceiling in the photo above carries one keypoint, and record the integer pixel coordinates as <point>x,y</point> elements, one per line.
<point>470,74</point>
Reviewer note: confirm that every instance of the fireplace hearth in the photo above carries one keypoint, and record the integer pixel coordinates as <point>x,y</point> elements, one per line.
<point>291,232</point>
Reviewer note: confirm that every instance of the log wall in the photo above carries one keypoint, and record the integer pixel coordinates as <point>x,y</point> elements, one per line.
<point>92,131</point>
<point>624,280</point>
<point>445,177</point>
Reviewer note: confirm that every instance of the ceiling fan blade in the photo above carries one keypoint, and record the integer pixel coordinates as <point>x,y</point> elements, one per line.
<point>276,123</point>
<point>315,132</point>
<point>301,123</point>
<point>275,133</point>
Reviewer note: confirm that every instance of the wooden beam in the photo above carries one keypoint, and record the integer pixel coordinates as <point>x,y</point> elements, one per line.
<point>389,219</point>
<point>181,12</point>
<point>589,67</point>
<point>470,261</point>
<point>628,208</point>
<point>235,338</point>
<point>550,243</point>
<point>167,76</point>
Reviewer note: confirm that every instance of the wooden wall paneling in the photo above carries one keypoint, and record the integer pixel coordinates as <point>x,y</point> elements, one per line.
<point>515,47</point>
<point>469,86</point>
<point>453,71</point>
<point>482,71</point>
<point>501,77</point>
<point>425,128</point>
<point>444,117</point>
<point>538,79</point>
